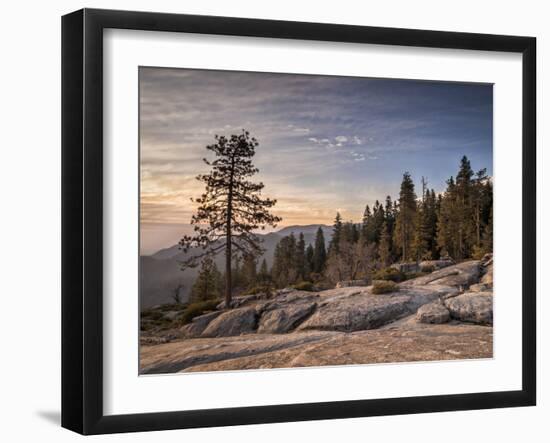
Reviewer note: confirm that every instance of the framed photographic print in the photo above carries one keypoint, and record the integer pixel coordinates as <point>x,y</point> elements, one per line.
<point>269,221</point>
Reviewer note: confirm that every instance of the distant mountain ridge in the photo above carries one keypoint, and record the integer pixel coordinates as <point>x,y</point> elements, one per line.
<point>160,272</point>
<point>307,229</point>
<point>172,251</point>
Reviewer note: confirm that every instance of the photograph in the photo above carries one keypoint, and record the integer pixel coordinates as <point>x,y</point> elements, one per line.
<point>291,220</point>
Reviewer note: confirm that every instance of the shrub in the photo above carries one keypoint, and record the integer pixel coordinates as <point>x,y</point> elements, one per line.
<point>316,277</point>
<point>154,320</point>
<point>427,268</point>
<point>304,286</point>
<point>195,309</point>
<point>384,286</point>
<point>259,289</point>
<point>478,252</point>
<point>151,315</point>
<point>390,274</point>
<point>171,307</point>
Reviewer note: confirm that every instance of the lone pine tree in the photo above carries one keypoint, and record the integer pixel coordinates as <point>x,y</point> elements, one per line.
<point>231,207</point>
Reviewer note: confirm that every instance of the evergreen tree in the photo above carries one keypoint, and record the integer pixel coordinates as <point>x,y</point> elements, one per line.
<point>334,245</point>
<point>487,202</point>
<point>248,271</point>
<point>349,233</point>
<point>208,284</point>
<point>482,200</point>
<point>389,215</point>
<point>263,274</point>
<point>432,211</point>
<point>231,207</point>
<point>405,223</point>
<point>284,270</point>
<point>458,222</point>
<point>447,221</point>
<point>367,225</point>
<point>378,218</point>
<point>421,247</point>
<point>319,252</point>
<point>384,247</point>
<point>237,278</point>
<point>366,216</point>
<point>395,248</point>
<point>300,257</point>
<point>372,222</point>
<point>477,201</point>
<point>309,263</point>
<point>487,239</point>
<point>278,272</point>
<point>464,209</point>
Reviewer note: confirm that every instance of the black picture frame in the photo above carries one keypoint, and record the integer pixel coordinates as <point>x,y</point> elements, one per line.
<point>82,218</point>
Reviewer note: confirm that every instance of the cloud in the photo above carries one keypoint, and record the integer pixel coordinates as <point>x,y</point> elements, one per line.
<point>298,129</point>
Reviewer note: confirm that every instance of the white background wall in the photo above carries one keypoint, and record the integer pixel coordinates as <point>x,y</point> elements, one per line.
<point>30,218</point>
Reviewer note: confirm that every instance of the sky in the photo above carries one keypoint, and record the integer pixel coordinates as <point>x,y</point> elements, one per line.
<point>326,143</point>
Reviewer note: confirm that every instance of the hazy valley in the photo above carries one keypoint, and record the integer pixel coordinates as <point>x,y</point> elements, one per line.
<point>160,273</point>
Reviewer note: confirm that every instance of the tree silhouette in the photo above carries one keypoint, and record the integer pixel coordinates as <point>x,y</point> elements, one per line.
<point>231,206</point>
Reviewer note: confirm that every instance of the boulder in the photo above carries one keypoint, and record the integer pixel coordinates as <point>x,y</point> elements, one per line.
<point>433,313</point>
<point>487,259</point>
<point>284,319</point>
<point>407,343</point>
<point>431,265</point>
<point>350,283</point>
<point>460,275</point>
<point>171,315</point>
<point>406,267</point>
<point>369,311</point>
<point>244,300</point>
<point>285,299</point>
<point>479,287</point>
<point>473,307</point>
<point>233,322</point>
<point>199,324</point>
